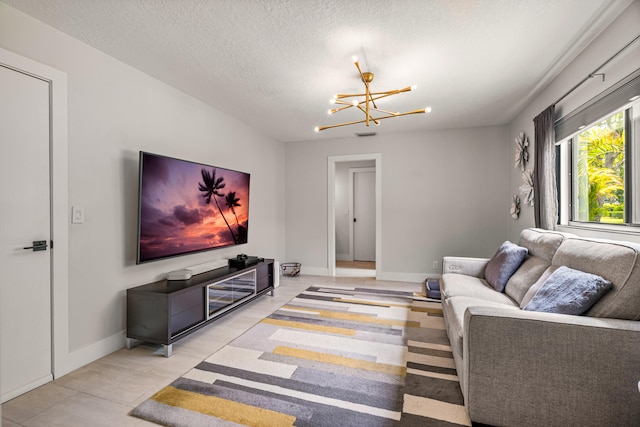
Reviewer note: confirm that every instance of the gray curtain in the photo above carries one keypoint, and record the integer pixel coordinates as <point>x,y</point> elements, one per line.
<point>544,171</point>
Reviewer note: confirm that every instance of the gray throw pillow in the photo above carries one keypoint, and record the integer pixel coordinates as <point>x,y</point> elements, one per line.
<point>504,263</point>
<point>568,291</point>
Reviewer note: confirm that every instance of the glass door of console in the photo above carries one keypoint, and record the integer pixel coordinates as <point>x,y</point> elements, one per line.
<point>222,295</point>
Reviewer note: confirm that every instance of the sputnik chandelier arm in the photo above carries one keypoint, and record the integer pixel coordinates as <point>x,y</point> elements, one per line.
<point>368,104</point>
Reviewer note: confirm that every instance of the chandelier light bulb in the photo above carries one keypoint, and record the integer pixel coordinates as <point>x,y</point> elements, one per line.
<point>355,103</point>
<point>332,101</point>
<point>427,110</point>
<point>330,112</point>
<point>316,129</point>
<point>354,58</point>
<point>414,87</point>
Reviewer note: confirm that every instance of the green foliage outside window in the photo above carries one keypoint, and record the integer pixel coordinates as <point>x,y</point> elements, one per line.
<point>600,172</point>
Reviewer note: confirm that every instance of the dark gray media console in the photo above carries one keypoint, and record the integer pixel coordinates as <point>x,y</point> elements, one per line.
<point>165,311</point>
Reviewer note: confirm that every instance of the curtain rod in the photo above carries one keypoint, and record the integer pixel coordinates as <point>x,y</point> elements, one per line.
<point>594,72</point>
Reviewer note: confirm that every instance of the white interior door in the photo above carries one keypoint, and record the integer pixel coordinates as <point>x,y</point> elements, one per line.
<point>25,209</point>
<point>364,218</point>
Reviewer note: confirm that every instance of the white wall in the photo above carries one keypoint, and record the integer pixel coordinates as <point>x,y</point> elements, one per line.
<point>618,34</point>
<point>443,193</point>
<point>114,111</point>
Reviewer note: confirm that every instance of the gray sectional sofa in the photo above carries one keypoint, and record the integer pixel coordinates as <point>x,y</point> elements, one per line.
<point>528,368</point>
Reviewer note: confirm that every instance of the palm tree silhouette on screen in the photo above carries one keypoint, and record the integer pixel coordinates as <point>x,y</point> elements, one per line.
<point>212,187</point>
<point>232,202</point>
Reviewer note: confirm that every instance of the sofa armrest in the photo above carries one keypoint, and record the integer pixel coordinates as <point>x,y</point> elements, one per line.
<point>464,265</point>
<point>525,368</point>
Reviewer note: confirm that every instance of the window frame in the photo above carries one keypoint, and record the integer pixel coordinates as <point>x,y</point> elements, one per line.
<point>565,172</point>
<point>619,96</point>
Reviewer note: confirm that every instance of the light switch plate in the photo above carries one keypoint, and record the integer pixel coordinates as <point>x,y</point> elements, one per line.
<point>77,215</point>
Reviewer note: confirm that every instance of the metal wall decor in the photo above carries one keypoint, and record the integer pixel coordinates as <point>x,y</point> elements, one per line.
<point>515,207</point>
<point>522,151</point>
<point>526,189</point>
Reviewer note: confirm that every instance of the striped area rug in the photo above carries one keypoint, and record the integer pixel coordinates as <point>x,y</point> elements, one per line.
<point>333,356</point>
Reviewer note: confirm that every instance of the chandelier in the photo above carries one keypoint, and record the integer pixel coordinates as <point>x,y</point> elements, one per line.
<point>366,102</point>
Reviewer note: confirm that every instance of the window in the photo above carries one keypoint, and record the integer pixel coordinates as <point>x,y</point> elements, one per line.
<point>598,167</point>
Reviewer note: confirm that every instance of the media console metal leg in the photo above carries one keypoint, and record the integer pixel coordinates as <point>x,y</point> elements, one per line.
<point>130,343</point>
<point>168,350</point>
<point>273,292</point>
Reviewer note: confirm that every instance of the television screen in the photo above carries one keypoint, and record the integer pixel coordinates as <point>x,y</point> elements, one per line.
<point>186,207</point>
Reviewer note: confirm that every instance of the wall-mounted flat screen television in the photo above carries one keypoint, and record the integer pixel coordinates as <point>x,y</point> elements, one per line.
<point>186,207</point>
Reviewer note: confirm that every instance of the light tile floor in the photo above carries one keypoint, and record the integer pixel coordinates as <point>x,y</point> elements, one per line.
<point>103,392</point>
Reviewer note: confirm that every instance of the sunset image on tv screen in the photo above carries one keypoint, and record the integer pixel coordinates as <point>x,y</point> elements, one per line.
<point>189,207</point>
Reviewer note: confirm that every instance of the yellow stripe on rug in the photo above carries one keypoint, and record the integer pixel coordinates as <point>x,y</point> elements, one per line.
<point>310,326</point>
<point>333,359</point>
<point>358,317</point>
<point>226,409</point>
<point>428,310</point>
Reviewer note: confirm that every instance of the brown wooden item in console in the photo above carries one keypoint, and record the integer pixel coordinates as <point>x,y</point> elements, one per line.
<point>165,311</point>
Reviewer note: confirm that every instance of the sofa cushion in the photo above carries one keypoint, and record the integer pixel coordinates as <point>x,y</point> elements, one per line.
<point>568,291</point>
<point>522,280</point>
<point>542,243</point>
<point>460,285</point>
<point>616,261</point>
<point>504,263</point>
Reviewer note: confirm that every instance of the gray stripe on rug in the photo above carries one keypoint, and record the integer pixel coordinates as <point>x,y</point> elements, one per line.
<point>314,320</point>
<point>334,369</point>
<point>254,339</point>
<point>177,417</point>
<point>365,392</point>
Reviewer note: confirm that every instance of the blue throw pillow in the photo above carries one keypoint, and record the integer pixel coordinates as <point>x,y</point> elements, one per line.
<point>568,291</point>
<point>504,263</point>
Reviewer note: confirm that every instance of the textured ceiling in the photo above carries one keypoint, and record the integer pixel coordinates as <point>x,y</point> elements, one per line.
<point>274,64</point>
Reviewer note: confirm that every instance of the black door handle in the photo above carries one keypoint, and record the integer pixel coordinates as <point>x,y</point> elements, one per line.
<point>38,245</point>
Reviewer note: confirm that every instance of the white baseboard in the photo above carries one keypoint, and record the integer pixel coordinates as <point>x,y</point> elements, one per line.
<point>314,271</point>
<point>384,275</point>
<point>93,352</point>
<point>343,257</point>
<point>25,388</point>
<point>406,277</point>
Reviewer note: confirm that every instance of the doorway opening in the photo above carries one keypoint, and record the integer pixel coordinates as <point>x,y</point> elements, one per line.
<point>354,229</point>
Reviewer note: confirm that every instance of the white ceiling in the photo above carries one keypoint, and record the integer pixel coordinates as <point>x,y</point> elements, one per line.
<point>274,64</point>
